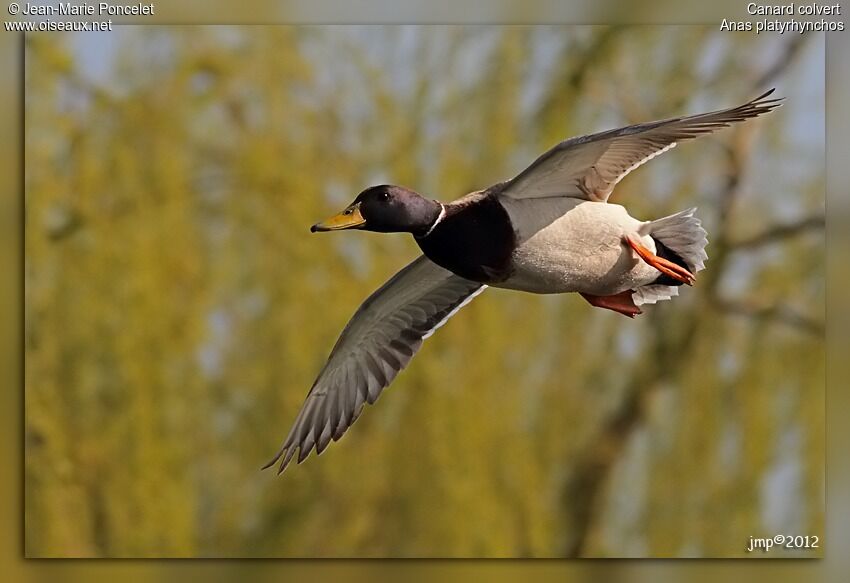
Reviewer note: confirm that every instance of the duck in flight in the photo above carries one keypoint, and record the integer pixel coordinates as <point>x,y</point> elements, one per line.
<point>548,230</point>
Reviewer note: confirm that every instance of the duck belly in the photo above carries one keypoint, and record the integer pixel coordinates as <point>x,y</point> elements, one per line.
<point>571,245</point>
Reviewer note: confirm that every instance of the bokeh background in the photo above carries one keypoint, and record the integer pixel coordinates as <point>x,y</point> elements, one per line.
<point>177,308</point>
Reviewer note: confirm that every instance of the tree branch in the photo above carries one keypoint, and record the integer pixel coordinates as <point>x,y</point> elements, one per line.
<point>770,311</point>
<point>792,49</point>
<point>780,232</point>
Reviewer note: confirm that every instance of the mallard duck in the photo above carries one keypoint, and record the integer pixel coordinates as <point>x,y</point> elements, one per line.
<point>548,230</point>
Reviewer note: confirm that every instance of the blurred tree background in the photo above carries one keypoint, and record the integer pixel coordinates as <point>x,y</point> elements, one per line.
<point>178,309</point>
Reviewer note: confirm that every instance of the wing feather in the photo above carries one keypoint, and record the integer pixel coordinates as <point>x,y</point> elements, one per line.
<point>591,166</point>
<point>377,343</point>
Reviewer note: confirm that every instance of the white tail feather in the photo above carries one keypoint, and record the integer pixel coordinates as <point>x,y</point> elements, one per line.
<point>683,234</point>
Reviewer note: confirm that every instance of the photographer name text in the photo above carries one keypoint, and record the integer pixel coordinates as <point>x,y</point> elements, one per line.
<point>87,9</point>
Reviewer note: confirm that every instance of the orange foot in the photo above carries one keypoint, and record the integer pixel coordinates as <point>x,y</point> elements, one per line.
<point>665,266</point>
<point>621,303</point>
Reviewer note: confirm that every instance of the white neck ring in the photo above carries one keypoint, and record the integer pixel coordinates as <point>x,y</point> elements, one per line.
<point>440,217</point>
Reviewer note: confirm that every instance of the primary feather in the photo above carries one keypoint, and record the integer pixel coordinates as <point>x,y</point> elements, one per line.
<point>376,344</point>
<point>589,167</point>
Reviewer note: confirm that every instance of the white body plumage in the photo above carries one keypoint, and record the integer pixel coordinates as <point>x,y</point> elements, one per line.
<point>572,245</point>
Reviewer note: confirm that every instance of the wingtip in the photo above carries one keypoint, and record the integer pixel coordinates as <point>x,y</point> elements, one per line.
<point>771,103</point>
<point>270,463</point>
<point>287,458</point>
<point>283,462</point>
<point>278,456</point>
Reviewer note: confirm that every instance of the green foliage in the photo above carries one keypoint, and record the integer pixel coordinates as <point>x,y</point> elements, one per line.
<point>178,309</point>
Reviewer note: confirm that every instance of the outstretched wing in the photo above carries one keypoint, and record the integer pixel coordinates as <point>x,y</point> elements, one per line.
<point>590,166</point>
<point>376,344</point>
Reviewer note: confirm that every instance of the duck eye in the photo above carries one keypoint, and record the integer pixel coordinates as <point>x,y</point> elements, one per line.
<point>385,196</point>
<point>347,212</point>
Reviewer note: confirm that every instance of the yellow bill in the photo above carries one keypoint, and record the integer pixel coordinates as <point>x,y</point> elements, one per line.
<point>350,218</point>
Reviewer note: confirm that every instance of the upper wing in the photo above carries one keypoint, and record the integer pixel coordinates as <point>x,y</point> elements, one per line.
<point>376,344</point>
<point>590,166</point>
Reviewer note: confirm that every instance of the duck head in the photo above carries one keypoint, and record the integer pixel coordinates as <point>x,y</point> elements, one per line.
<point>385,209</point>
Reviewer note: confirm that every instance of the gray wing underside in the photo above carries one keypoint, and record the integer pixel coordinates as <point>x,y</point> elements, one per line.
<point>376,344</point>
<point>590,166</point>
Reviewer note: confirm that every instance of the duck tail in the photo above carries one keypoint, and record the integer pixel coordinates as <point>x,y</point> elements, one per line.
<point>679,238</point>
<point>682,234</point>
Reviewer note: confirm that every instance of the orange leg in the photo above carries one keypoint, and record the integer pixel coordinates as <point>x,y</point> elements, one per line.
<point>621,303</point>
<point>665,266</point>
